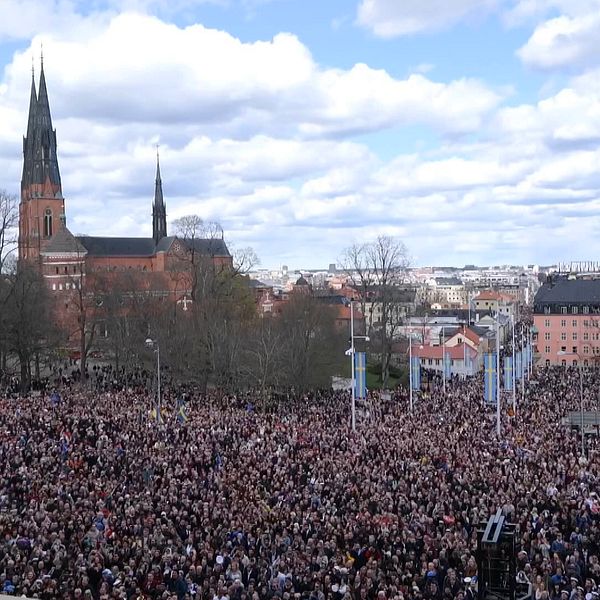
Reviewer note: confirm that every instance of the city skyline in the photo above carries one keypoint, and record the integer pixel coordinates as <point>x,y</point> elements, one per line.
<point>471,130</point>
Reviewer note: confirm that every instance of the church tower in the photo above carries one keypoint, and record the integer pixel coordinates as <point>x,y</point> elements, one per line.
<point>42,206</point>
<point>159,211</point>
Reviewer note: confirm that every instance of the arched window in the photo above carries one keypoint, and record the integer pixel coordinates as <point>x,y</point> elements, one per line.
<point>48,223</point>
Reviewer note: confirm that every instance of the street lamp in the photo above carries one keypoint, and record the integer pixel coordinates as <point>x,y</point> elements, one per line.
<point>350,352</point>
<point>579,368</point>
<point>153,345</point>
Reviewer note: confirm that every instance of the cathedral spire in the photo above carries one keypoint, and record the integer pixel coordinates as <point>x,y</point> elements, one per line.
<point>159,212</point>
<point>27,176</point>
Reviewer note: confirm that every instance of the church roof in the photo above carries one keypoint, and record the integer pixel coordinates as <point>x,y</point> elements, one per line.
<point>130,246</point>
<point>63,241</point>
<point>301,281</point>
<point>118,246</point>
<point>209,247</point>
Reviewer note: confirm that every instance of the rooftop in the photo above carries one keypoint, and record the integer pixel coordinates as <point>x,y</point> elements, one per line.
<point>564,290</point>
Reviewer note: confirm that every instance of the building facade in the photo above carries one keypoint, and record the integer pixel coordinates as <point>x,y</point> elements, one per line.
<point>567,321</point>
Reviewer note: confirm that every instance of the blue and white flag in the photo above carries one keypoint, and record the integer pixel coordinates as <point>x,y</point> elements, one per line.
<point>415,373</point>
<point>508,373</point>
<point>489,377</point>
<point>360,375</point>
<point>447,365</point>
<point>518,365</point>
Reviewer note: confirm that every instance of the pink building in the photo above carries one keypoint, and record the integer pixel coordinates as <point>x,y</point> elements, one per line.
<point>567,321</point>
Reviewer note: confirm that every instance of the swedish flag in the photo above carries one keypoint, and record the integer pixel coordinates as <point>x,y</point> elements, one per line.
<point>489,377</point>
<point>508,373</point>
<point>360,375</point>
<point>415,373</point>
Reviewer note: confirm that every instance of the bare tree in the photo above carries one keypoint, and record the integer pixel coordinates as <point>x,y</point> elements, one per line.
<point>377,269</point>
<point>26,318</point>
<point>9,218</point>
<point>263,354</point>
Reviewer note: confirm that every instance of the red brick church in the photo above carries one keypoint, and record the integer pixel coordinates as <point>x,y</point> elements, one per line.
<point>65,259</point>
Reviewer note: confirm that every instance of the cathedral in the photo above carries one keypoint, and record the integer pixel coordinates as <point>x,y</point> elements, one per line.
<point>63,258</point>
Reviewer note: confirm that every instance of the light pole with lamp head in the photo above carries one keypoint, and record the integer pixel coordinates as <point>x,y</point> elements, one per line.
<point>350,352</point>
<point>153,345</point>
<point>580,369</point>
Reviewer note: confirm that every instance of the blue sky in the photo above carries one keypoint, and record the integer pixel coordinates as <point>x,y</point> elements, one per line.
<point>468,128</point>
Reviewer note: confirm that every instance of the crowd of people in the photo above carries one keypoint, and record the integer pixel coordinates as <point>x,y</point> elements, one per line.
<point>225,500</point>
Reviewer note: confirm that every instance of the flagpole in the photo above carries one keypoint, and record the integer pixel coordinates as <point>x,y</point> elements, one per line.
<point>410,372</point>
<point>498,374</point>
<point>514,391</point>
<point>353,405</point>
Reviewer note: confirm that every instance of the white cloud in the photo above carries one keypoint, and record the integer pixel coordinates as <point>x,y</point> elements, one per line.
<point>392,18</point>
<point>262,137</point>
<point>564,41</point>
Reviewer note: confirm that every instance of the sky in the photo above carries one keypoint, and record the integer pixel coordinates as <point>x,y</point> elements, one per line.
<point>469,129</point>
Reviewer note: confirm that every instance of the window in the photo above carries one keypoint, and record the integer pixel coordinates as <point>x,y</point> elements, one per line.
<point>574,363</point>
<point>563,348</point>
<point>563,337</point>
<point>586,336</point>
<point>546,310</point>
<point>563,362</point>
<point>574,310</point>
<point>563,310</point>
<point>53,287</point>
<point>563,323</point>
<point>547,336</point>
<point>547,322</point>
<point>586,323</point>
<point>574,336</point>
<point>547,362</point>
<point>574,323</point>
<point>574,349</point>
<point>48,223</point>
<point>547,349</point>
<point>66,270</point>
<point>586,349</point>
<point>586,310</point>
<point>57,270</point>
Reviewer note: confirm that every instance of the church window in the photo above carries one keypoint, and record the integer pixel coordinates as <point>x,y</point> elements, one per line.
<point>48,223</point>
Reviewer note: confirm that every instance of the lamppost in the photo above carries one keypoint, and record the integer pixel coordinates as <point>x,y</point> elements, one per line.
<point>153,345</point>
<point>350,353</point>
<point>580,370</point>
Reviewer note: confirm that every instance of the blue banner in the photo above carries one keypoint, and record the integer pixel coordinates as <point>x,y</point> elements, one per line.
<point>508,373</point>
<point>489,377</point>
<point>360,375</point>
<point>447,365</point>
<point>415,373</point>
<point>518,365</point>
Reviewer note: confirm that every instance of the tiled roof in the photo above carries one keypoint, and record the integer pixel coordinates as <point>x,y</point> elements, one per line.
<point>62,242</point>
<point>117,246</point>
<point>209,247</point>
<point>456,352</point>
<point>569,291</point>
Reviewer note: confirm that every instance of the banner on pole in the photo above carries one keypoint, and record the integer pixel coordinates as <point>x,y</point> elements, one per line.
<point>415,373</point>
<point>508,373</point>
<point>518,365</point>
<point>360,375</point>
<point>489,377</point>
<point>447,365</point>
